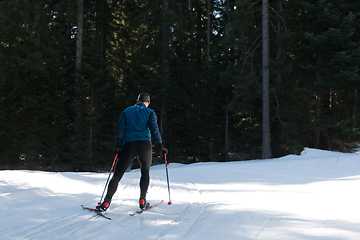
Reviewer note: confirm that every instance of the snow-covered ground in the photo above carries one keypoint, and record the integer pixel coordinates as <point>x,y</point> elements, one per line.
<point>312,196</point>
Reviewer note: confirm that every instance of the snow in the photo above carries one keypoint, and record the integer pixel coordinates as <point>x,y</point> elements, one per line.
<point>309,196</point>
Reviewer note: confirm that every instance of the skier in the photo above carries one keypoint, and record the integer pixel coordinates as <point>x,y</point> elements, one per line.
<point>135,127</point>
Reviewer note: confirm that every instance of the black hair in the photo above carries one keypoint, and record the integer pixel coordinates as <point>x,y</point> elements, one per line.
<point>144,97</point>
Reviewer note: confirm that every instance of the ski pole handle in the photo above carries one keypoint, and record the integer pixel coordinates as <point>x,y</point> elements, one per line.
<point>112,167</point>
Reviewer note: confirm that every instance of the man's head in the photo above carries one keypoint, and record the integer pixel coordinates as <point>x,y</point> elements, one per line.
<point>144,98</point>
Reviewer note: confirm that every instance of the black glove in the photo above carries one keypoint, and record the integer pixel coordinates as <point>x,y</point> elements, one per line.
<point>117,148</point>
<point>162,148</point>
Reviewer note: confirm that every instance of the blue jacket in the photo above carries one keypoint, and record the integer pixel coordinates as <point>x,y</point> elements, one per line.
<point>137,123</point>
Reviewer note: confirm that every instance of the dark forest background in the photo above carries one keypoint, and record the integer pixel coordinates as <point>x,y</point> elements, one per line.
<point>68,69</point>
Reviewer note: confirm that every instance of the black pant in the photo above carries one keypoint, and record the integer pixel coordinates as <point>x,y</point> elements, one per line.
<point>142,149</point>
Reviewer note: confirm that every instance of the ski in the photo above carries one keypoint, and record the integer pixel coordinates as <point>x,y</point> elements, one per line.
<point>145,209</point>
<point>95,211</point>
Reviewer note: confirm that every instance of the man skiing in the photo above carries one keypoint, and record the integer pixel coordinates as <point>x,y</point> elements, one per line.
<point>135,127</point>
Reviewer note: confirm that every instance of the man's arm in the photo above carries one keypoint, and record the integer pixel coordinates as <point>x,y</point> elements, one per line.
<point>154,128</point>
<point>120,128</point>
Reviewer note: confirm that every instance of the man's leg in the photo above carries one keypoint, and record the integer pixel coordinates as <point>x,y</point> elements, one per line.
<point>144,151</point>
<point>126,156</point>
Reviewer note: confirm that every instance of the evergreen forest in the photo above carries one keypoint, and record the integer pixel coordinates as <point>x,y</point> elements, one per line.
<point>69,68</point>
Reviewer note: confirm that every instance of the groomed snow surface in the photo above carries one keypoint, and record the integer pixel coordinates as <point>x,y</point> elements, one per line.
<point>312,196</point>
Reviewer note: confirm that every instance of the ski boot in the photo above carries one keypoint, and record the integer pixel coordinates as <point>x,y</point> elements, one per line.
<point>104,206</point>
<point>143,203</point>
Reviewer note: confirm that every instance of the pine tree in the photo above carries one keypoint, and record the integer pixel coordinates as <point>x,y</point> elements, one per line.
<point>322,32</point>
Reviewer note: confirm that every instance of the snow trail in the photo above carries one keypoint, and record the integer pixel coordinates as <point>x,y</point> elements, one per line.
<point>311,196</point>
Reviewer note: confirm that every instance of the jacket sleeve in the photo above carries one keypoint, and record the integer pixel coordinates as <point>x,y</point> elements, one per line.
<point>120,129</point>
<point>154,128</point>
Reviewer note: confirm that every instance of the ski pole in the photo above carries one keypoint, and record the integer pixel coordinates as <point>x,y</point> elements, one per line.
<point>167,177</point>
<point>112,167</point>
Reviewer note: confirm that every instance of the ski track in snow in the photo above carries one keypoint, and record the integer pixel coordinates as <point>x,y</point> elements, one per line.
<point>56,228</point>
<point>189,216</point>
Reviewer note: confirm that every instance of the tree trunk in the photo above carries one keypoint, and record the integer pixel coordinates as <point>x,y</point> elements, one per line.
<point>208,32</point>
<point>198,81</point>
<point>31,153</point>
<point>208,37</point>
<point>227,31</point>
<point>226,130</point>
<point>277,123</point>
<point>227,18</point>
<point>266,146</point>
<point>91,130</point>
<point>355,106</point>
<point>78,70</point>
<point>165,71</point>
<point>318,102</point>
<point>253,77</point>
